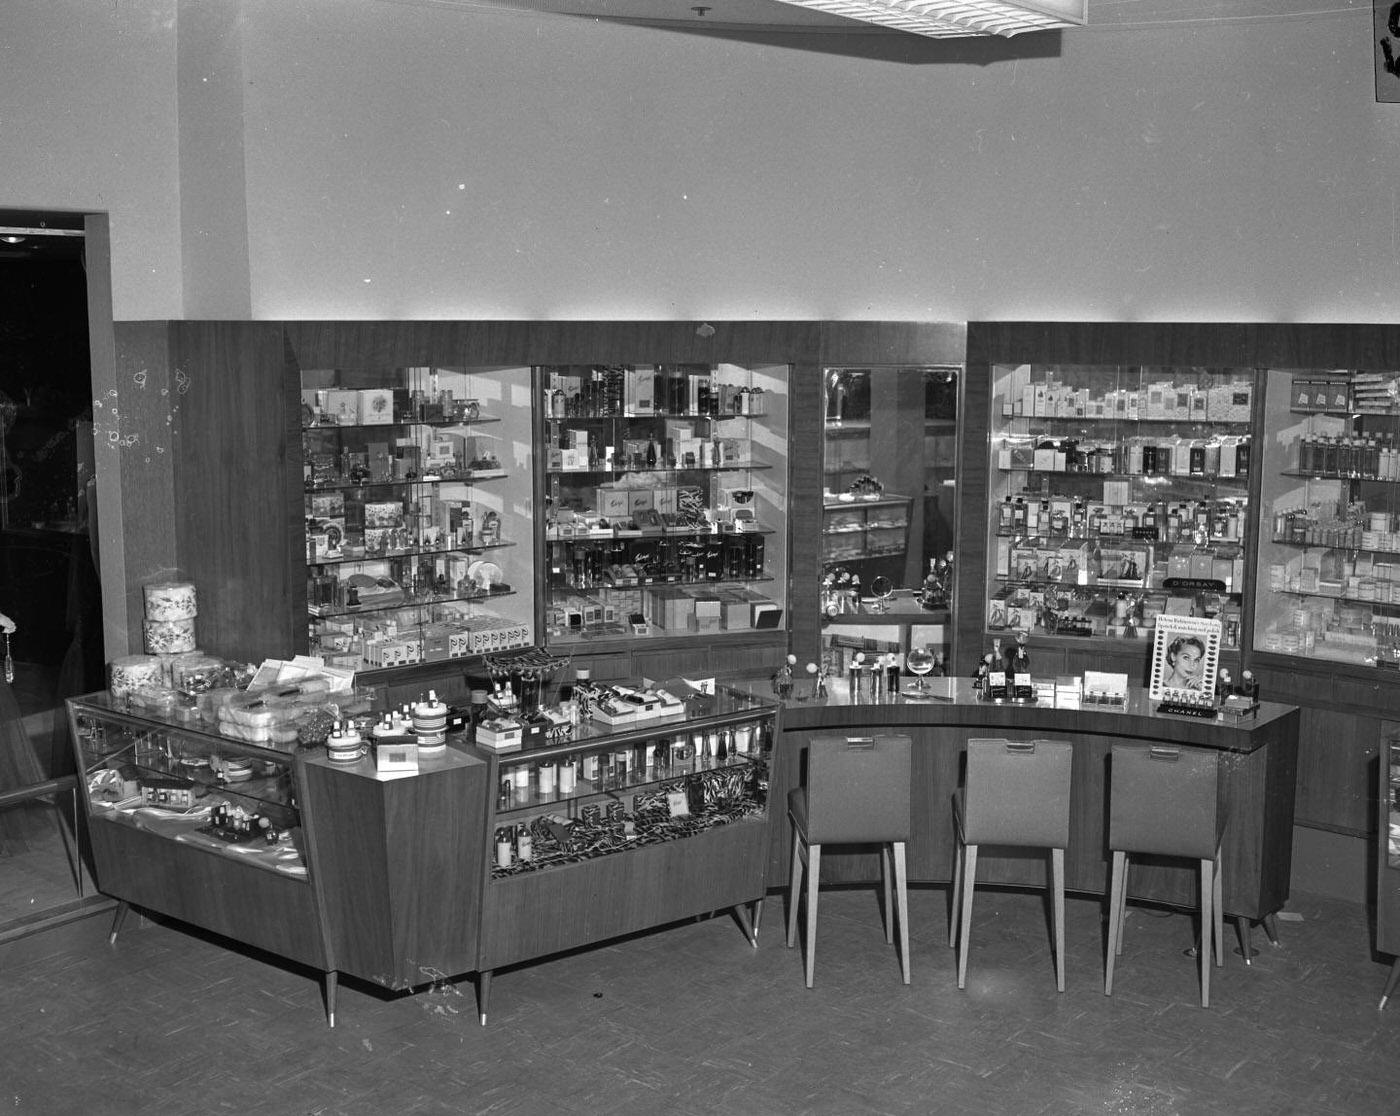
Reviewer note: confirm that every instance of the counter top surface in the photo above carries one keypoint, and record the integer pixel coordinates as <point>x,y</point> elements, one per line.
<point>954,701</point>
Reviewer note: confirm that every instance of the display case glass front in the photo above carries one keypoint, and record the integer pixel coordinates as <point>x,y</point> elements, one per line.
<point>418,493</point>
<point>1329,549</point>
<point>1119,494</point>
<point>685,764</point>
<point>178,778</point>
<point>665,498</point>
<point>889,507</point>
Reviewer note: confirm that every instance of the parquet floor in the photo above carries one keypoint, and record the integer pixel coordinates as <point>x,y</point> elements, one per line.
<point>690,1020</point>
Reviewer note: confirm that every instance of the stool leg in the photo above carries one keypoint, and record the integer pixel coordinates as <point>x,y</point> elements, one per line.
<point>1123,904</point>
<point>969,886</point>
<point>814,875</point>
<point>901,890</point>
<point>1390,983</point>
<point>1115,917</point>
<point>1207,926</point>
<point>794,887</point>
<point>959,853</point>
<point>1219,900</point>
<point>886,871</point>
<point>1057,887</point>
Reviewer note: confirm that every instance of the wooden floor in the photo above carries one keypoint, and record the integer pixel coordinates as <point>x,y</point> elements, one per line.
<point>691,1020</point>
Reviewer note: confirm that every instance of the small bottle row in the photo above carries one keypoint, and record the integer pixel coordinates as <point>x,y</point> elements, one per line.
<point>1195,521</point>
<point>1225,457</point>
<point>1350,456</point>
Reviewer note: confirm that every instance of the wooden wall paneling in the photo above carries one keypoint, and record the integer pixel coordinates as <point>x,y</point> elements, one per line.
<point>1336,754</point>
<point>136,473</point>
<point>970,577</point>
<point>230,508</point>
<point>805,436</point>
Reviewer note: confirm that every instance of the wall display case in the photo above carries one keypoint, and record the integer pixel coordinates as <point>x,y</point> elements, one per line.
<point>889,508</point>
<point>417,509</point>
<point>1118,494</point>
<point>1329,548</point>
<point>665,500</point>
<point>1388,858</point>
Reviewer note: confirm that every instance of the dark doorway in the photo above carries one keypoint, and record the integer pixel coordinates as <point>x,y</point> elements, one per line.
<point>48,579</point>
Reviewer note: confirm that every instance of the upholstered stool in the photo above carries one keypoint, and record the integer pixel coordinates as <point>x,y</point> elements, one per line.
<point>1164,801</point>
<point>1015,794</point>
<point>857,793</point>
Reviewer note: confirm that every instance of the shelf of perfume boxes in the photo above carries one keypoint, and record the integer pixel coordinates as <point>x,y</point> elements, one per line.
<point>360,557</point>
<point>1213,479</point>
<point>619,470</point>
<point>1098,422</point>
<point>1349,476</point>
<point>385,604</point>
<point>398,423</point>
<point>1351,539</point>
<point>1293,588</point>
<point>470,475</point>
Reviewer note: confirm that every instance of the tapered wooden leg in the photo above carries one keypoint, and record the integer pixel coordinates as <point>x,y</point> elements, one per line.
<point>814,875</point>
<point>794,887</point>
<point>757,918</point>
<point>955,907</point>
<point>1271,930</point>
<point>1219,900</point>
<point>969,888</point>
<point>483,993</point>
<point>1057,887</point>
<point>901,890</point>
<point>1123,904</point>
<point>1207,926</point>
<point>1115,917</point>
<point>329,983</point>
<point>886,874</point>
<point>117,919</point>
<point>741,916</point>
<point>1390,983</point>
<point>1242,932</point>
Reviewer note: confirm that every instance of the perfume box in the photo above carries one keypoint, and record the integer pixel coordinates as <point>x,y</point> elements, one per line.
<point>375,407</point>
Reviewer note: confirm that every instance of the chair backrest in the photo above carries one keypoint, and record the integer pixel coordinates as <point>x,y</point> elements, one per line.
<point>1164,800</point>
<point>1017,793</point>
<point>859,789</point>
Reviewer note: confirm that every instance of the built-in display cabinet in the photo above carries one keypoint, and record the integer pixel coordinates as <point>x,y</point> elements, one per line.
<point>665,501</point>
<point>1329,547</point>
<point>1119,494</point>
<point>418,538</point>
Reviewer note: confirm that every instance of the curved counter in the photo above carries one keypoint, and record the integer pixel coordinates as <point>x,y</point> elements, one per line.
<point>1258,771</point>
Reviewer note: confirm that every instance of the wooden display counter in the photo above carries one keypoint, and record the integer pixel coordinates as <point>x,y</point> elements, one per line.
<point>1258,767</point>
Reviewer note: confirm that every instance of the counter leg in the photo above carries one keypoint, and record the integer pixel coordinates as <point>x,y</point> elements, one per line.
<point>483,992</point>
<point>1270,923</point>
<point>757,917</point>
<point>1390,983</point>
<point>117,919</point>
<point>1242,932</point>
<point>329,984</point>
<point>741,916</point>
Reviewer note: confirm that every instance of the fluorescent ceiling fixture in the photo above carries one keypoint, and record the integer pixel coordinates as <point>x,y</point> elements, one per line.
<point>946,19</point>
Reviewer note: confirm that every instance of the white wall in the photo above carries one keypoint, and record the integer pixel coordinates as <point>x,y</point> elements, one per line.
<point>88,123</point>
<point>420,160</point>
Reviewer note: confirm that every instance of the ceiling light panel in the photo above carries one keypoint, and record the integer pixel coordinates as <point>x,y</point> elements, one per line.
<point>946,19</point>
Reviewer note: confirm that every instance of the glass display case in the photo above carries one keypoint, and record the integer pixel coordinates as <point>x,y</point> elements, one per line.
<point>665,500</point>
<point>150,771</point>
<point>418,489</point>
<point>1329,548</point>
<point>651,766</point>
<point>889,506</point>
<point>1119,494</point>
